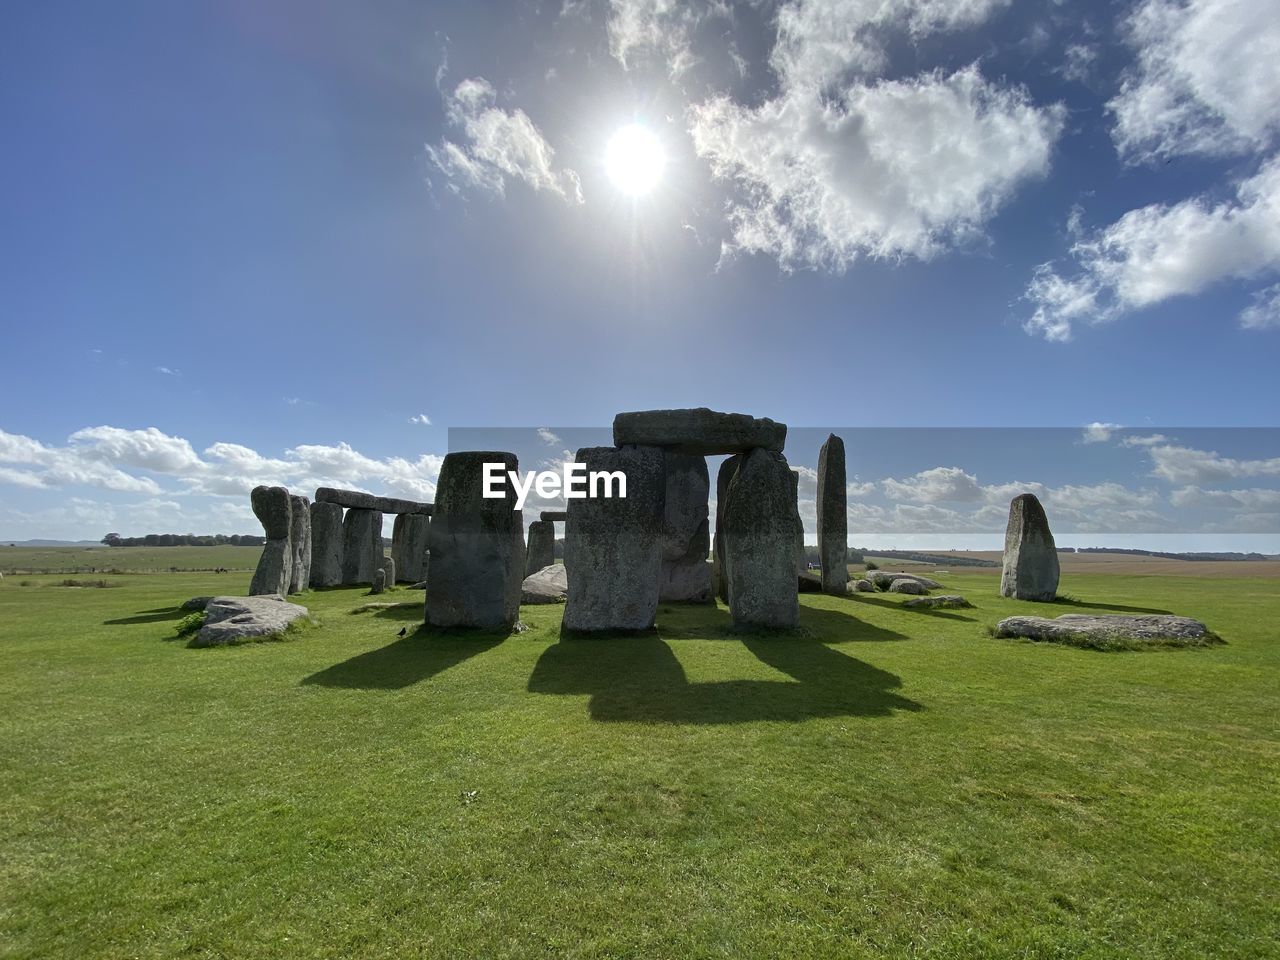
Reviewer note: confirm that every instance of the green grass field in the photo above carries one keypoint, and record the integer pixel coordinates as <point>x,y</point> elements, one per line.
<point>891,783</point>
<point>15,561</point>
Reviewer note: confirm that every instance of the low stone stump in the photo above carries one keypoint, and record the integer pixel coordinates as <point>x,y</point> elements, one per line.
<point>409,538</point>
<point>389,568</point>
<point>881,579</point>
<point>833,517</point>
<point>475,561</point>
<point>944,601</point>
<point>541,549</point>
<point>548,585</point>
<point>1110,631</point>
<point>760,523</point>
<point>1031,568</point>
<point>905,585</point>
<point>300,543</point>
<point>699,431</point>
<point>274,573</point>
<point>326,544</point>
<point>379,582</point>
<point>613,545</point>
<point>362,551</point>
<point>240,619</point>
<point>686,536</point>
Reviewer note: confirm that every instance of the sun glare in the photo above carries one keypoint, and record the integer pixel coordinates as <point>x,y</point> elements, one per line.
<point>634,159</point>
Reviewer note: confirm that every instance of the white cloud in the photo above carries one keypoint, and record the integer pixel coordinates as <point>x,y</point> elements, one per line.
<point>886,169</point>
<point>421,419</point>
<point>1098,432</point>
<point>1207,79</point>
<point>549,438</point>
<point>169,371</point>
<point>1264,312</point>
<point>1187,465</point>
<point>856,489</point>
<point>1159,251</point>
<point>1253,499</point>
<point>499,144</point>
<point>658,30</point>
<point>937,485</point>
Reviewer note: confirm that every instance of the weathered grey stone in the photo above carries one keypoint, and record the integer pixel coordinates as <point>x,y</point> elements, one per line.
<point>946,600</point>
<point>802,559</point>
<point>237,619</point>
<point>686,535</point>
<point>274,572</point>
<point>389,567</point>
<point>881,579</point>
<point>698,430</point>
<point>547,585</point>
<point>300,543</point>
<point>356,500</point>
<point>541,551</point>
<point>1030,556</point>
<point>273,508</point>
<point>718,569</point>
<point>554,515</point>
<point>905,585</point>
<point>420,585</point>
<point>1072,626</point>
<point>326,544</point>
<point>476,559</point>
<point>379,581</point>
<point>809,582</point>
<point>861,586</point>
<point>409,536</point>
<point>613,545</point>
<point>760,522</point>
<point>362,551</point>
<point>196,603</point>
<point>833,517</point>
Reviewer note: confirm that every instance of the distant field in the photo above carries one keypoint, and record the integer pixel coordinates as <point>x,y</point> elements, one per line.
<point>1137,564</point>
<point>35,560</point>
<point>886,783</point>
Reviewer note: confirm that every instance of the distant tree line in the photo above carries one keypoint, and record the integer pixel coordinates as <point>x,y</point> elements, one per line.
<point>184,540</point>
<point>1226,555</point>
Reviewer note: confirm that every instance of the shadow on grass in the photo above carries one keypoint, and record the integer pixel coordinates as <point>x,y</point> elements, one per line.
<point>707,621</point>
<point>1086,605</point>
<point>639,679</point>
<point>922,611</point>
<point>410,610</point>
<point>419,656</point>
<point>149,616</point>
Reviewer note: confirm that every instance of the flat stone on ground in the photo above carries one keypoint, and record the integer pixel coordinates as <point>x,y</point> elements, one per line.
<point>237,619</point>
<point>946,600</point>
<point>880,579</point>
<point>548,585</point>
<point>905,585</point>
<point>1072,626</point>
<point>861,586</point>
<point>698,430</point>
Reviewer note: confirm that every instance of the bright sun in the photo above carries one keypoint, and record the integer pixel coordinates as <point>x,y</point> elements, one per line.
<point>634,159</point>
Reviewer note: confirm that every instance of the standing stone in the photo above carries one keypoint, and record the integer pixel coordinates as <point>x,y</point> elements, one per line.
<point>613,545</point>
<point>542,546</point>
<point>300,544</point>
<point>718,578</point>
<point>379,582</point>
<point>409,546</point>
<point>389,568</point>
<point>1030,555</point>
<point>760,522</point>
<point>802,558</point>
<point>361,546</point>
<point>686,534</point>
<point>833,518</point>
<point>476,558</point>
<point>274,572</point>
<point>326,544</point>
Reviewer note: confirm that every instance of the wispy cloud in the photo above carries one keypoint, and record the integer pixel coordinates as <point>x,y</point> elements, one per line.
<point>421,419</point>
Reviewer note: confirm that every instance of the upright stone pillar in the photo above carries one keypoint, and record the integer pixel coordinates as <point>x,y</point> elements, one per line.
<point>274,572</point>
<point>686,537</point>
<point>613,545</point>
<point>475,563</point>
<point>760,523</point>
<point>389,568</point>
<point>718,570</point>
<point>409,546</point>
<point>802,558</point>
<point>1030,556</point>
<point>541,551</point>
<point>300,543</point>
<point>361,546</point>
<point>833,518</point>
<point>326,544</point>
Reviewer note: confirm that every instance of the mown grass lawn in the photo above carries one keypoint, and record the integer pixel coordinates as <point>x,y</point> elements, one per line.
<point>890,783</point>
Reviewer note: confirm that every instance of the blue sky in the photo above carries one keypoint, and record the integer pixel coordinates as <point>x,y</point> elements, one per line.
<point>249,242</point>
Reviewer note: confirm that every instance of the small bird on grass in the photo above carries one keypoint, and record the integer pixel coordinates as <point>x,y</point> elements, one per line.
<point>402,631</point>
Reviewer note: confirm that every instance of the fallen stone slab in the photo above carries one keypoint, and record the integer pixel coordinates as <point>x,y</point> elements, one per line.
<point>420,585</point>
<point>554,515</point>
<point>240,619</point>
<point>699,431</point>
<point>355,500</point>
<point>881,579</point>
<point>905,585</point>
<point>861,586</point>
<point>809,582</point>
<point>548,585</point>
<point>196,603</point>
<point>946,600</point>
<point>1093,629</point>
